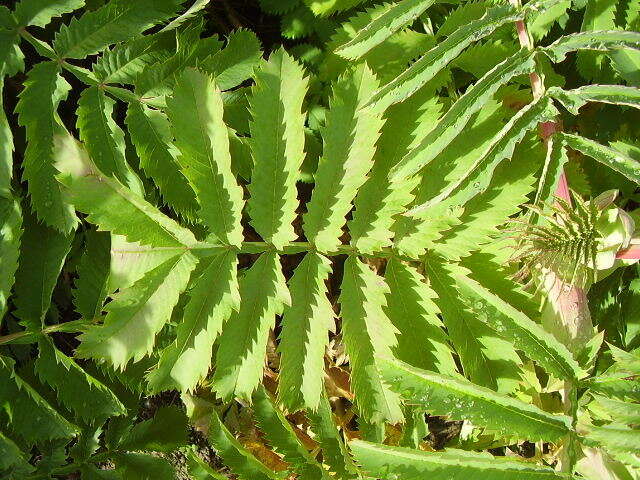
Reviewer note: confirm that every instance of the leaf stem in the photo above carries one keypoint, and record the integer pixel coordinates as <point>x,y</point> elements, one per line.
<point>559,293</point>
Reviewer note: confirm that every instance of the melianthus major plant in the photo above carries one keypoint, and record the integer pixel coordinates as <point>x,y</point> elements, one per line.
<point>212,211</point>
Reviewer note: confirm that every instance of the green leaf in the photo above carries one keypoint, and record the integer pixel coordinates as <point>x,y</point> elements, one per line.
<point>235,63</point>
<point>212,298</point>
<point>463,14</point>
<point>11,57</point>
<point>460,399</point>
<point>199,470</point>
<point>93,275</point>
<point>196,6</point>
<point>240,461</point>
<point>349,144</point>
<point>598,15</point>
<point>457,117</point>
<point>102,137</point>
<point>627,64</point>
<point>44,88</point>
<point>615,438</point>
<point>115,22</point>
<point>40,12</point>
<point>10,235</point>
<point>38,270</point>
<point>379,201</point>
<point>150,133</point>
<point>614,159</point>
<point>413,236</point>
<point>572,100</point>
<point>195,111</point>
<point>387,19</point>
<point>436,59</point>
<point>277,141</point>
<point>486,358</point>
<point>305,334</point>
<point>32,417</point>
<point>367,332</point>
<point>555,160</point>
<point>278,7</point>
<point>510,185</point>
<point>137,314</point>
<point>6,146</point>
<point>165,432</point>
<point>91,472</point>
<point>125,61</point>
<point>157,80</point>
<point>78,391</point>
<point>382,461</point>
<point>624,412</point>
<point>599,41</point>
<point>243,343</point>
<point>334,452</point>
<point>140,466</point>
<point>114,207</point>
<point>329,7</point>
<point>11,458</point>
<point>501,147</point>
<point>282,438</point>
<point>422,340</point>
<point>524,333</point>
<point>543,18</point>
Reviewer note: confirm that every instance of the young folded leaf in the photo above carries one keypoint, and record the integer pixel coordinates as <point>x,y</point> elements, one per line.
<point>368,332</point>
<point>277,142</point>
<point>526,335</point>
<point>211,300</point>
<point>556,158</point>
<point>574,99</point>
<point>501,147</point>
<point>348,148</point>
<point>195,111</point>
<point>436,59</point>
<point>601,40</point>
<point>387,19</point>
<point>243,343</point>
<point>457,117</point>
<point>615,160</point>
<point>461,399</point>
<point>304,336</point>
<point>381,461</point>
